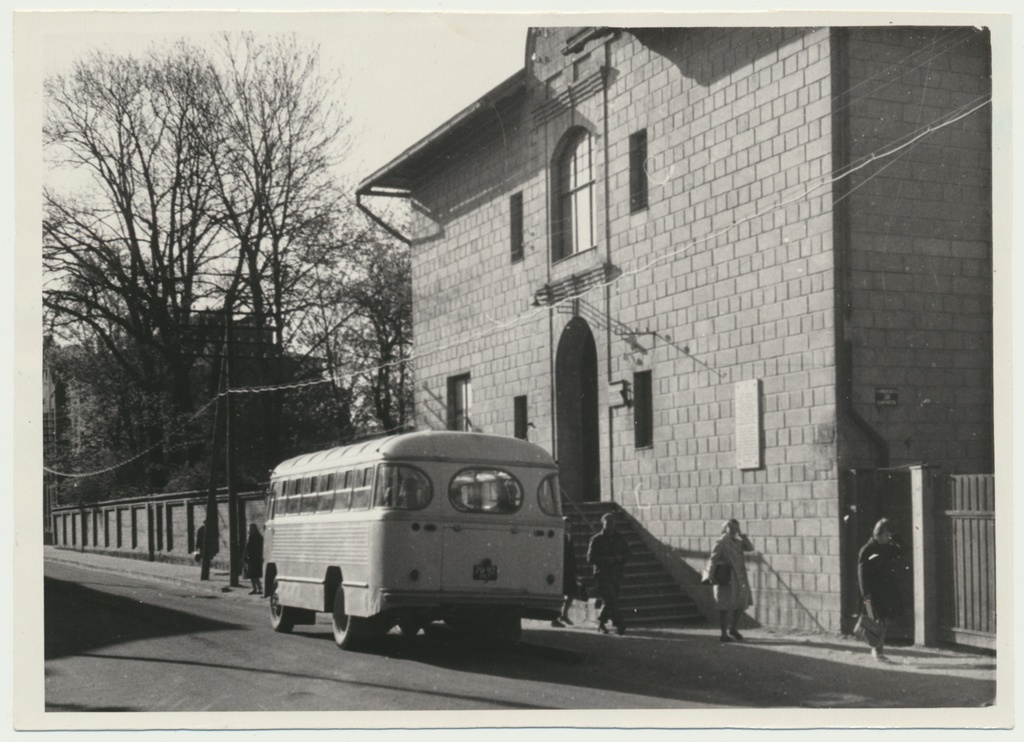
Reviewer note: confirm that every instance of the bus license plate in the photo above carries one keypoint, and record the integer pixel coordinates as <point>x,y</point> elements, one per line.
<point>485,571</point>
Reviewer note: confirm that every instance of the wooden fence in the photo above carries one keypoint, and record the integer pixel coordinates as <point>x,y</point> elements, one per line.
<point>967,561</point>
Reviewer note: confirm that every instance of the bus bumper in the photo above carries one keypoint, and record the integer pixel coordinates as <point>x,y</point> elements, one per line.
<point>449,603</point>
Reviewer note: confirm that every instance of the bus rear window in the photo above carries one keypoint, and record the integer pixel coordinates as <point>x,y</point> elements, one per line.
<point>548,497</point>
<point>401,488</point>
<point>485,491</point>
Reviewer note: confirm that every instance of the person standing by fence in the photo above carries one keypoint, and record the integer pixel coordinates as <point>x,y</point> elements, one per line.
<point>877,566</point>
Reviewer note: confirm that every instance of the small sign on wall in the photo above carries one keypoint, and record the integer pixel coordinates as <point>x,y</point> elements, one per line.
<point>747,411</point>
<point>887,396</point>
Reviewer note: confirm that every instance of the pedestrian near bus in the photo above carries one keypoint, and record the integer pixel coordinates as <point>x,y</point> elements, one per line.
<point>252,558</point>
<point>570,585</point>
<point>732,594</point>
<point>608,553</point>
<point>878,565</point>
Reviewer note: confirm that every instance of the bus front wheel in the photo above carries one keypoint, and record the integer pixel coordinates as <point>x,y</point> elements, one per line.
<point>348,630</point>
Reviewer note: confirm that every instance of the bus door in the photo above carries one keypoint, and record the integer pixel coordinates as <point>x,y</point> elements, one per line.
<point>486,546</point>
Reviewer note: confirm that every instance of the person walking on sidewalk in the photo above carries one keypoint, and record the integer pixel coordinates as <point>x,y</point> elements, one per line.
<point>252,558</point>
<point>570,585</point>
<point>731,587</point>
<point>877,566</point>
<point>608,553</point>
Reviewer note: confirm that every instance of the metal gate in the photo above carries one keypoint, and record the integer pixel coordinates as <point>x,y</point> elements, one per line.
<point>967,560</point>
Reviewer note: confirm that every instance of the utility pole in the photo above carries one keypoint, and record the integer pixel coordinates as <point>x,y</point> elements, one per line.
<point>233,538</point>
<point>225,428</point>
<point>210,524</point>
<point>220,413</point>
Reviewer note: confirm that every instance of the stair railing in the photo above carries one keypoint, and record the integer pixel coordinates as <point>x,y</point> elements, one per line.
<point>579,511</point>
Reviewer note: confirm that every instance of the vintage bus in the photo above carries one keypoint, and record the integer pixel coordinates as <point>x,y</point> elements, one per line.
<point>464,528</point>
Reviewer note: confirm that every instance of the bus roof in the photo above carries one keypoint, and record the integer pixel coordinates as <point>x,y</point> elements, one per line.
<point>433,445</point>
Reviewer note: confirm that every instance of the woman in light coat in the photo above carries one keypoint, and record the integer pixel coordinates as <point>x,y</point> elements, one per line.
<point>734,597</point>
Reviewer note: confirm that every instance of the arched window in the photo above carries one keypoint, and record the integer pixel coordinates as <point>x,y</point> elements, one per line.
<point>573,207</point>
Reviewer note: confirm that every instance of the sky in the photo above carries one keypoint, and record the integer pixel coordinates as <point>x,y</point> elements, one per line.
<point>402,75</point>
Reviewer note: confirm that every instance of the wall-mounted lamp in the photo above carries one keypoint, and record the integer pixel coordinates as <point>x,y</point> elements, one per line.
<point>620,394</point>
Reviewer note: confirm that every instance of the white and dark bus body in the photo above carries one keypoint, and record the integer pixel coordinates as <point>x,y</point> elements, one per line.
<point>464,528</point>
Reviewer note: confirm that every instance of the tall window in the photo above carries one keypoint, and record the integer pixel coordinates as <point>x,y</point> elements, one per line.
<point>515,208</point>
<point>638,171</point>
<point>643,413</point>
<point>573,224</point>
<point>520,414</point>
<point>460,398</point>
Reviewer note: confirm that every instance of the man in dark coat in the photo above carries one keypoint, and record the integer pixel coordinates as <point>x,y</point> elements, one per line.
<point>608,553</point>
<point>878,566</point>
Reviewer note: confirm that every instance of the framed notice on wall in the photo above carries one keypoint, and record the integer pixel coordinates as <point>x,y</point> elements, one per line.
<point>747,409</point>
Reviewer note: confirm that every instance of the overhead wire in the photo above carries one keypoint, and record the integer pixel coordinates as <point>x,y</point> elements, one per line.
<point>778,203</point>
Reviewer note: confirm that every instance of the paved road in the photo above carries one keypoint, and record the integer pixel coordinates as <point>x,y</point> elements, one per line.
<point>120,641</point>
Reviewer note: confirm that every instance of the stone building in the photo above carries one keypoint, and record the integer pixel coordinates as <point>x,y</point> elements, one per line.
<point>714,271</point>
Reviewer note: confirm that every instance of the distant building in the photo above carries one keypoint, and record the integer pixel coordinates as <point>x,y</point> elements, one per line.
<point>774,243</point>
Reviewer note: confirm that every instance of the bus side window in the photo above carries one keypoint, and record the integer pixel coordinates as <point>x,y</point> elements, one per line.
<point>343,495</point>
<point>361,488</point>
<point>309,495</point>
<point>274,500</point>
<point>384,494</point>
<point>326,501</point>
<point>292,497</point>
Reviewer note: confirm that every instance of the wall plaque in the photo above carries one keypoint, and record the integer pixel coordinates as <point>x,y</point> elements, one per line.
<point>747,410</point>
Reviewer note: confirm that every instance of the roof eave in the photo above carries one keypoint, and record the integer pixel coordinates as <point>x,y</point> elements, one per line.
<point>384,179</point>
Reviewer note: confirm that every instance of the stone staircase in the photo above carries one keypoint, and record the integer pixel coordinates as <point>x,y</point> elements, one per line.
<point>649,594</point>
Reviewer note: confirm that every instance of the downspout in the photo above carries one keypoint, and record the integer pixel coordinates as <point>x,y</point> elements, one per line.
<point>608,261</point>
<point>376,219</point>
<point>841,247</point>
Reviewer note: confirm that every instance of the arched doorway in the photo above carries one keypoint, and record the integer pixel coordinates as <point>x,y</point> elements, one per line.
<point>576,410</point>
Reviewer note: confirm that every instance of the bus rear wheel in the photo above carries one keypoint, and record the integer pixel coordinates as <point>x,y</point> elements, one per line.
<point>348,630</point>
<point>282,618</point>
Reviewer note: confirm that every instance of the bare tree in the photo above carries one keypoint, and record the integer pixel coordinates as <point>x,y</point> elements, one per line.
<point>128,259</point>
<point>279,134</point>
<point>360,325</point>
<point>193,186</point>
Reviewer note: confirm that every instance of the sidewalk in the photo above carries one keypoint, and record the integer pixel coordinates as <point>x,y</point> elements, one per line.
<point>787,644</point>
